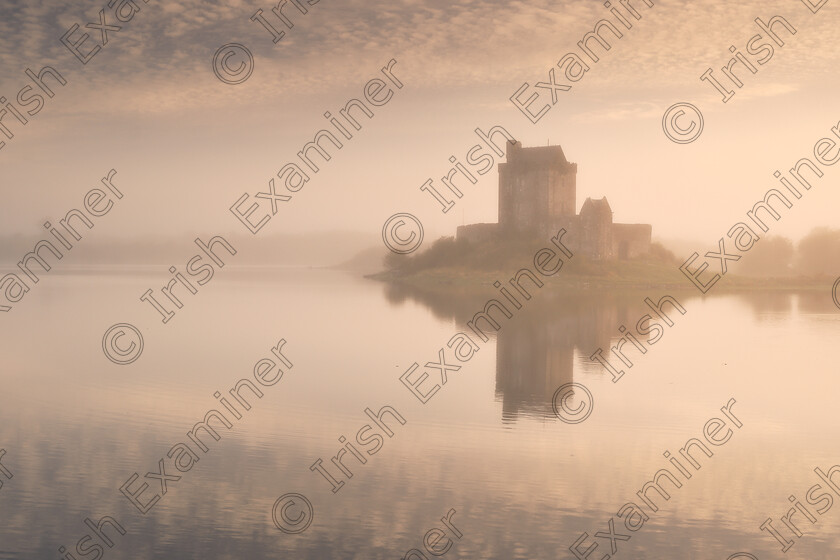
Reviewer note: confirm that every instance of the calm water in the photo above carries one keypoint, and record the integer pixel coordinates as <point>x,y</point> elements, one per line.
<point>523,483</point>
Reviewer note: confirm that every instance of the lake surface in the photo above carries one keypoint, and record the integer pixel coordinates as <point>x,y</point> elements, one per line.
<point>523,484</point>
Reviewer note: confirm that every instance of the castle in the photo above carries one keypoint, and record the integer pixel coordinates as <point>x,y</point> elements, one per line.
<point>538,195</point>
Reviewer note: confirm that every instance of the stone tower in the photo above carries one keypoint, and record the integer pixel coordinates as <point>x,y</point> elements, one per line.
<point>537,188</point>
<point>595,231</point>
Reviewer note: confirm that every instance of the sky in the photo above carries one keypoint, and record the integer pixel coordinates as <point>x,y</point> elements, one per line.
<point>186,145</point>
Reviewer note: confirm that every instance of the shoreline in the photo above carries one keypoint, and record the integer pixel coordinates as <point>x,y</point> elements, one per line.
<point>480,280</point>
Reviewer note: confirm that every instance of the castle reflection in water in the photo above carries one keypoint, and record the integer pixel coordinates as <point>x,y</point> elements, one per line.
<point>536,350</point>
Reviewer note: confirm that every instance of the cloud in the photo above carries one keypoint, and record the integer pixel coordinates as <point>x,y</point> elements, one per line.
<point>161,60</point>
<point>768,90</point>
<point>621,111</point>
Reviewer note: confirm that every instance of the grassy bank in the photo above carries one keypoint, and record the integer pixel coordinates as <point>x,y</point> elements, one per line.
<point>462,265</point>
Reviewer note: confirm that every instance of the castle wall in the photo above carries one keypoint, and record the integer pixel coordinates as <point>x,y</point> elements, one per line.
<point>596,238</point>
<point>571,224</point>
<point>562,191</point>
<point>522,197</point>
<point>536,186</point>
<point>596,229</point>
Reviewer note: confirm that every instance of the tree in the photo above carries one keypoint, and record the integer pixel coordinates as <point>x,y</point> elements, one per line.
<point>769,257</point>
<point>819,252</point>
